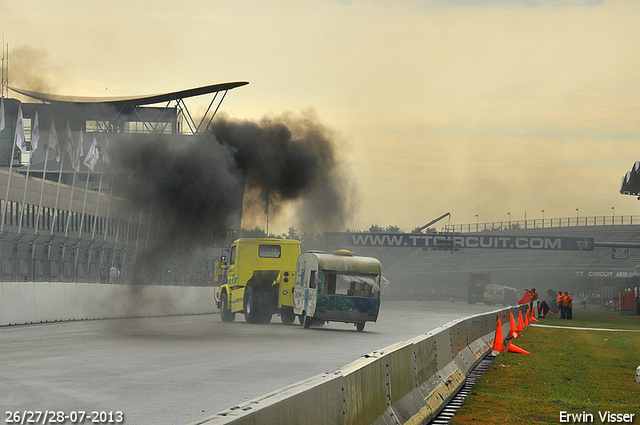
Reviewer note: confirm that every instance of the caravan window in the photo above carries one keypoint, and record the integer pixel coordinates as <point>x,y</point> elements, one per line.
<point>353,285</point>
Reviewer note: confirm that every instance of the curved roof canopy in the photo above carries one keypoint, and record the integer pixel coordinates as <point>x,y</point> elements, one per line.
<point>133,100</point>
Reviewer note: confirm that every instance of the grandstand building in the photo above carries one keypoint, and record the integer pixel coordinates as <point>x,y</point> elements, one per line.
<point>60,221</point>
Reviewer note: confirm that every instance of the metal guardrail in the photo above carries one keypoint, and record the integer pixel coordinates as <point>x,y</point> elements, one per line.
<point>612,220</point>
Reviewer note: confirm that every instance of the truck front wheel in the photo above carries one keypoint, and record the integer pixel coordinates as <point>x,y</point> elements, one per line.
<point>225,314</point>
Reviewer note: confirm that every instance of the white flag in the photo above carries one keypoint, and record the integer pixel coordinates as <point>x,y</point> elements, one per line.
<point>2,114</point>
<point>92,155</point>
<point>35,133</point>
<point>21,142</point>
<point>79,153</point>
<point>53,140</point>
<point>69,146</point>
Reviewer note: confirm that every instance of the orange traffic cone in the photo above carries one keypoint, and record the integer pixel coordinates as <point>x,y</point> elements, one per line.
<point>513,330</point>
<point>526,320</point>
<point>533,316</point>
<point>520,322</point>
<point>498,342</point>
<point>513,349</point>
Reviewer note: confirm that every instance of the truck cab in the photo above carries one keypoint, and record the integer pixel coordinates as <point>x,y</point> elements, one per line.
<point>260,274</point>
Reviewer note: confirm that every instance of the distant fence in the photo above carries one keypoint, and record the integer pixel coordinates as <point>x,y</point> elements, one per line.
<point>59,233</point>
<point>45,258</point>
<point>542,223</point>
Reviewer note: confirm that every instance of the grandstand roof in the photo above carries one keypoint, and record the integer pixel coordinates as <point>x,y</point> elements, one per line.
<point>134,100</point>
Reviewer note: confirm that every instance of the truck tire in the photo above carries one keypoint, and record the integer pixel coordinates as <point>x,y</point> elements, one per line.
<point>225,314</point>
<point>286,316</point>
<point>251,306</point>
<point>265,315</point>
<point>360,326</point>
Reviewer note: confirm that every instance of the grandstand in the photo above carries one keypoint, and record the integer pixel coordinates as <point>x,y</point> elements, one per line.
<point>60,220</point>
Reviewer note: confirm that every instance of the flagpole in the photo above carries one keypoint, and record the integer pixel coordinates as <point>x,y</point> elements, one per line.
<point>84,203</point>
<point>24,194</point>
<point>44,175</point>
<point>106,224</point>
<point>6,198</point>
<point>55,209</point>
<point>95,222</point>
<point>35,138</point>
<point>109,212</point>
<point>146,246</point>
<point>73,186</point>
<point>89,162</point>
<point>107,160</point>
<point>76,166</point>
<point>69,149</point>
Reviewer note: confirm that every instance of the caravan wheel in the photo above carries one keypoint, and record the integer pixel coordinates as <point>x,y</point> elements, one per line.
<point>307,321</point>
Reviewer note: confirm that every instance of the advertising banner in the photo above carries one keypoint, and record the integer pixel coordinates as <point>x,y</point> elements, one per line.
<point>459,241</point>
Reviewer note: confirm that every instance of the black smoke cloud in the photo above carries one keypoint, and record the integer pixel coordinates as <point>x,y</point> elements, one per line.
<point>188,183</point>
<point>288,160</point>
<point>196,185</point>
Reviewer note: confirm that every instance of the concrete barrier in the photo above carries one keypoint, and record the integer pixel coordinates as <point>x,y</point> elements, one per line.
<point>38,302</point>
<point>405,383</point>
<point>317,400</point>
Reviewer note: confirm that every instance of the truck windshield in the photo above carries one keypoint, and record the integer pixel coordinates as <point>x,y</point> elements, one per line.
<point>353,285</point>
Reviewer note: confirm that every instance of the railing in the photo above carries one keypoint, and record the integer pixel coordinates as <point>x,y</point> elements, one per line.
<point>619,220</point>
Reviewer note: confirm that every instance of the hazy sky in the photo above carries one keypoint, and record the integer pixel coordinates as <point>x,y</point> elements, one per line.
<point>472,107</point>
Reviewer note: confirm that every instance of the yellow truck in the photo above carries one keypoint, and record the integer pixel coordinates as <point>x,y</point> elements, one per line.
<point>260,274</point>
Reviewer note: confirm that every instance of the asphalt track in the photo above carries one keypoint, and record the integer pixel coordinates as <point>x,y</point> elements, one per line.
<point>175,370</point>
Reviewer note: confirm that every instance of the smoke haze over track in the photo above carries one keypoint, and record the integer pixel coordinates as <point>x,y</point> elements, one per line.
<point>196,185</point>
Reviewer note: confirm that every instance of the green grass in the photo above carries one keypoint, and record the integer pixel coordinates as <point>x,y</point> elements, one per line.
<point>594,317</point>
<point>568,370</point>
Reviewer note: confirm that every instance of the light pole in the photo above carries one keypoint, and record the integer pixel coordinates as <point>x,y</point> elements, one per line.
<point>577,216</point>
<point>476,223</point>
<point>613,215</point>
<point>542,218</point>
<point>509,214</point>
